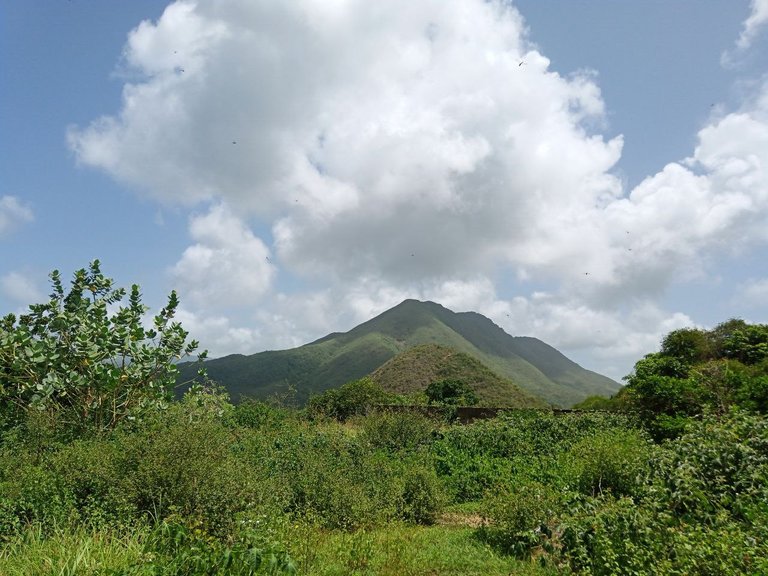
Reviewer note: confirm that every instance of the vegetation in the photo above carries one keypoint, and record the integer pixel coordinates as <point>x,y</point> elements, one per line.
<point>72,358</point>
<point>675,484</point>
<point>452,392</point>
<point>413,371</point>
<point>699,371</point>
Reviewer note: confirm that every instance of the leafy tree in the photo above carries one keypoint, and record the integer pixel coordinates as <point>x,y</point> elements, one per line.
<point>687,345</point>
<point>77,357</point>
<point>451,392</point>
<point>351,399</point>
<point>698,371</point>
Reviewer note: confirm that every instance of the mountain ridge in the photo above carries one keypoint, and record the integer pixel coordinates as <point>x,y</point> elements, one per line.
<point>332,360</point>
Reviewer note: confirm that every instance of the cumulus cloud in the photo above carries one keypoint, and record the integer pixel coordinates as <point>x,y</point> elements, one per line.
<point>413,149</point>
<point>13,213</point>
<point>227,266</point>
<point>405,141</point>
<point>217,334</point>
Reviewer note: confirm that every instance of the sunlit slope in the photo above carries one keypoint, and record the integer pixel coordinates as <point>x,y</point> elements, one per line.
<point>414,369</point>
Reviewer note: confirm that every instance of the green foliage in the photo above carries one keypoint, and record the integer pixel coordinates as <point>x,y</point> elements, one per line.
<point>254,413</point>
<point>341,481</point>
<point>397,431</point>
<point>522,518</point>
<point>451,392</point>
<point>697,371</point>
<point>702,510</point>
<point>94,367</point>
<point>525,445</point>
<point>614,460</point>
<point>719,466</point>
<point>351,399</point>
<point>180,548</point>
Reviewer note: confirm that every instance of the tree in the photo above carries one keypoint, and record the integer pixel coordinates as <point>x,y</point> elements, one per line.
<point>698,371</point>
<point>451,392</point>
<point>93,366</point>
<point>352,399</point>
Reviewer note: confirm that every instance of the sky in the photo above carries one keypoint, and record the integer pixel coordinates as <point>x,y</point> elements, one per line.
<point>590,173</point>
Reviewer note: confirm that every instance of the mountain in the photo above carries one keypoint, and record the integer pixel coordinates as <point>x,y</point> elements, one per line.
<point>337,358</point>
<point>416,368</point>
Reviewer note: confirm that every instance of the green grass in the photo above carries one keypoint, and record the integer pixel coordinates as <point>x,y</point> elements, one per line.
<point>394,550</point>
<point>77,552</point>
<point>402,550</point>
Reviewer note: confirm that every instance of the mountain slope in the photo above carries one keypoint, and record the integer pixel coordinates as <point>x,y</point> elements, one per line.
<point>338,358</point>
<point>413,370</point>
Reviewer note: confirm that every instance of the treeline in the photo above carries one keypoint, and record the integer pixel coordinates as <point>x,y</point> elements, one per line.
<point>696,372</point>
<point>102,472</point>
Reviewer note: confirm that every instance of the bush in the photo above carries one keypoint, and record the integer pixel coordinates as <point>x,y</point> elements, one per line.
<point>178,547</point>
<point>451,392</point>
<point>522,518</point>
<point>352,399</point>
<point>615,461</point>
<point>188,468</point>
<point>397,431</point>
<point>422,496</point>
<point>93,367</point>
<point>719,465</point>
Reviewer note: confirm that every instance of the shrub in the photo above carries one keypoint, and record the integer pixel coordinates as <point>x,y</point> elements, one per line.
<point>178,547</point>
<point>188,468</point>
<point>720,464</point>
<point>422,496</point>
<point>522,518</point>
<point>352,399</point>
<point>397,431</point>
<point>73,356</point>
<point>451,392</point>
<point>614,460</point>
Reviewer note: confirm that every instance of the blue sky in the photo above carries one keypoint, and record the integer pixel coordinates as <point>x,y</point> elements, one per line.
<point>594,174</point>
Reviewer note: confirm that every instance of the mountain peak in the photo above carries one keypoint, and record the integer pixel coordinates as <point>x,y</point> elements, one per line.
<point>337,358</point>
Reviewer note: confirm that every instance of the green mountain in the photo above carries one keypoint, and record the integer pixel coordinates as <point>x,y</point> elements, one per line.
<point>416,368</point>
<point>338,358</point>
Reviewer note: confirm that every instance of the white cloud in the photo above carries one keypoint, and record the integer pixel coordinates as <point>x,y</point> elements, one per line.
<point>751,29</point>
<point>401,150</point>
<point>20,288</point>
<point>13,213</point>
<point>424,151</point>
<point>217,334</point>
<point>227,266</point>
<point>753,25</point>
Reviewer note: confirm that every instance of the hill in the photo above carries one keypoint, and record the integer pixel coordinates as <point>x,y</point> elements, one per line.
<point>413,370</point>
<point>534,366</point>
